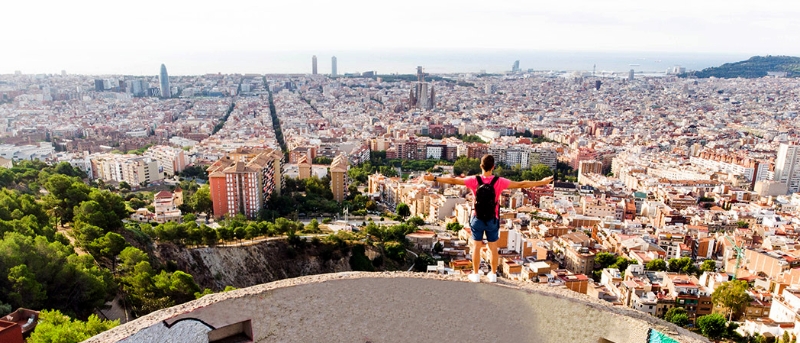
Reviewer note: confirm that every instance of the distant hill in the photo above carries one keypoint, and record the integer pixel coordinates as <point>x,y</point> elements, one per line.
<point>756,66</point>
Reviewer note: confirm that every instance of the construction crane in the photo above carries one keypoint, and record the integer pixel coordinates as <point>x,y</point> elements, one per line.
<point>739,255</point>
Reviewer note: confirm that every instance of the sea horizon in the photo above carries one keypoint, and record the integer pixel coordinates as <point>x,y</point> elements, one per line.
<point>395,61</point>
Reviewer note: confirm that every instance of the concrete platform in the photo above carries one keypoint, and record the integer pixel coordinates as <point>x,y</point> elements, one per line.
<point>394,307</point>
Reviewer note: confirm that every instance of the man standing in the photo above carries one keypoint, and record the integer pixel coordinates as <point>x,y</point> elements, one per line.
<point>486,189</point>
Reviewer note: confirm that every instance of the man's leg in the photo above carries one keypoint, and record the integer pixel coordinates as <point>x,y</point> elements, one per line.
<point>495,259</point>
<point>476,256</point>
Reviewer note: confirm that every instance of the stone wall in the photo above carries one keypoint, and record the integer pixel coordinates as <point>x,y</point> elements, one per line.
<point>397,307</point>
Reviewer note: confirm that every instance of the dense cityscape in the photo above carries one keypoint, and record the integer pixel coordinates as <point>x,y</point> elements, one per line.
<point>675,196</point>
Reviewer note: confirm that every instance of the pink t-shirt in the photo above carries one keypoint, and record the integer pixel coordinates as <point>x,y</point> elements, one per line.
<point>501,184</point>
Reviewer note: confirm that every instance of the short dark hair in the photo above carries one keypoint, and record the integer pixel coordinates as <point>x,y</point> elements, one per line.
<point>487,162</point>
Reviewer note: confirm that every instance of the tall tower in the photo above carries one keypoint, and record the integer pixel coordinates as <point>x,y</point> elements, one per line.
<point>333,66</point>
<point>432,103</point>
<point>163,81</point>
<point>515,68</point>
<point>630,75</point>
<point>314,65</point>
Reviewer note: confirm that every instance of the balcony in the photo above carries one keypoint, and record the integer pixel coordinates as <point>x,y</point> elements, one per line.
<point>394,307</point>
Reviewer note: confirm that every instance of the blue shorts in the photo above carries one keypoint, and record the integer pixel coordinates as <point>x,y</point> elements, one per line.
<point>479,227</point>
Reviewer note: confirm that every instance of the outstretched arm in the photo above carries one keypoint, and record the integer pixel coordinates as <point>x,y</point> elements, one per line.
<point>447,180</point>
<point>529,184</point>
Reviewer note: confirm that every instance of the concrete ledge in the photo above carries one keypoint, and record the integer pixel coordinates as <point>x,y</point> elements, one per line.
<point>397,307</point>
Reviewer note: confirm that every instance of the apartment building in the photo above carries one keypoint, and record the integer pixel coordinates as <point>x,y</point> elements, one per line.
<point>339,180</point>
<point>243,181</point>
<point>170,160</point>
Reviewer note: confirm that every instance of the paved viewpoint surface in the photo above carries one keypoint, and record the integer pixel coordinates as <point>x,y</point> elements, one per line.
<point>394,307</point>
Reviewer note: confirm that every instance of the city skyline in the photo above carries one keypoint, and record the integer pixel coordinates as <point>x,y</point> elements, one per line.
<point>394,62</point>
<point>580,26</point>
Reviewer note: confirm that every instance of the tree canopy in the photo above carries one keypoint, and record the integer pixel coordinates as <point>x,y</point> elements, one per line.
<point>683,265</point>
<point>731,295</point>
<point>56,327</point>
<point>657,265</point>
<point>677,316</point>
<point>712,326</point>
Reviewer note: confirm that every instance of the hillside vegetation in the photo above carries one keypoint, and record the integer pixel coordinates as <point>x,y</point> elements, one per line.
<point>755,67</point>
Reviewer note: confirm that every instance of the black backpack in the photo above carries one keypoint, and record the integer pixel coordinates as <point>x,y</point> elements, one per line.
<point>485,205</point>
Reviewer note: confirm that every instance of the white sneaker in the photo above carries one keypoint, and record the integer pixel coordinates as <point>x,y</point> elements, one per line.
<point>492,277</point>
<point>474,277</point>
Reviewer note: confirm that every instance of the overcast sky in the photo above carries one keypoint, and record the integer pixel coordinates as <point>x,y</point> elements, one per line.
<point>118,36</point>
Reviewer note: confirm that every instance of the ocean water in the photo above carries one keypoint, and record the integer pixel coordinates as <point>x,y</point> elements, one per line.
<point>396,61</point>
<point>461,61</point>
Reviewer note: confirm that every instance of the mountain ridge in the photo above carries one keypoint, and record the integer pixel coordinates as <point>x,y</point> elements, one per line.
<point>754,67</point>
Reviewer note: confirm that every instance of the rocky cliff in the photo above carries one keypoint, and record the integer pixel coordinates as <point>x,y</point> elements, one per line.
<point>248,265</point>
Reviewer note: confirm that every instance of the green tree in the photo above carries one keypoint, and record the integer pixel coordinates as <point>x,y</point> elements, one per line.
<point>130,257</point>
<point>438,248</point>
<point>395,250</point>
<point>674,314</point>
<point>712,326</point>
<point>108,247</point>
<point>403,210</point>
<point>313,226</point>
<point>201,200</point>
<point>124,186</point>
<point>742,224</point>
<point>240,233</point>
<point>708,266</point>
<point>422,261</point>
<point>467,166</point>
<point>680,319</point>
<point>55,327</point>
<point>189,218</point>
<point>64,193</point>
<point>731,295</point>
<point>70,282</point>
<point>225,234</point>
<point>454,226</point>
<point>179,286</point>
<point>6,177</point>
<point>24,287</point>
<point>657,265</point>
<point>683,265</point>
<point>537,172</point>
<point>416,221</point>
<point>605,259</point>
<point>622,263</point>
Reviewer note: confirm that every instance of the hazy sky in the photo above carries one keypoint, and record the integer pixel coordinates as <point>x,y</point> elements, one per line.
<point>129,36</point>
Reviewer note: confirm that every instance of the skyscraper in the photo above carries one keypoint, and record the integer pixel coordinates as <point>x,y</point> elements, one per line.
<point>314,65</point>
<point>630,75</point>
<point>787,166</point>
<point>163,81</point>
<point>333,66</point>
<point>515,68</point>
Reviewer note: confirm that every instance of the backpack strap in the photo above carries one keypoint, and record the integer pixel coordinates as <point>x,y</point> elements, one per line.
<point>494,180</point>
<point>480,180</point>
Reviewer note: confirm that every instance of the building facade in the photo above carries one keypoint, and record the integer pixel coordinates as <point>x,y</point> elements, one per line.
<point>163,82</point>
<point>243,182</point>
